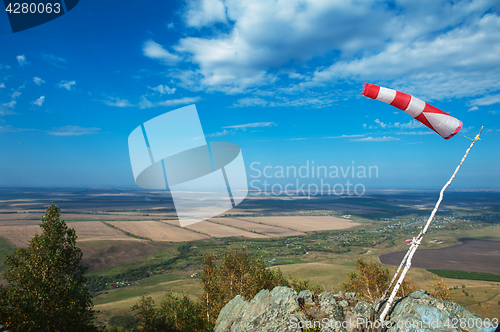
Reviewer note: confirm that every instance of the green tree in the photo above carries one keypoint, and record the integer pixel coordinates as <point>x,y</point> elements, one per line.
<point>234,273</point>
<point>175,314</point>
<point>371,280</point>
<point>46,290</point>
<point>440,291</point>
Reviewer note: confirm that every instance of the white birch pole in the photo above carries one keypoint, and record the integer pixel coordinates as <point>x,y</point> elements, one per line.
<point>416,241</point>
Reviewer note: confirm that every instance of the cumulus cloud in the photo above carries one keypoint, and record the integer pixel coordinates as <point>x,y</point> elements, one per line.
<point>153,50</point>
<point>21,60</point>
<point>437,65</point>
<point>2,85</point>
<point>201,13</point>
<point>15,94</point>
<point>39,101</point>
<point>163,89</point>
<point>66,84</point>
<point>427,48</point>
<point>73,131</point>
<point>243,56</point>
<point>38,80</point>
<point>375,139</point>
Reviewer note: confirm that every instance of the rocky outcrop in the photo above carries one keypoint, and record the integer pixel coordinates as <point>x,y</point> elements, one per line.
<point>283,310</point>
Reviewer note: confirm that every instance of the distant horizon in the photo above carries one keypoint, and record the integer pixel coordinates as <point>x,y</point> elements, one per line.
<point>372,190</point>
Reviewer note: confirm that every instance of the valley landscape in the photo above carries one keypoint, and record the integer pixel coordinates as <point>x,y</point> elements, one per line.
<point>133,245</point>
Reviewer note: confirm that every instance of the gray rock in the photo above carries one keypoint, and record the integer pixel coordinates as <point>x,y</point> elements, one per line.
<point>308,297</point>
<point>279,311</point>
<point>422,312</point>
<point>275,310</point>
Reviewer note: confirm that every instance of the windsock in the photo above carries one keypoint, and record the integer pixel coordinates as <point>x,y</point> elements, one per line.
<point>442,123</point>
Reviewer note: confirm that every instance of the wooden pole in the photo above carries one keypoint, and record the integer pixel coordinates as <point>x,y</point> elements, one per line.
<point>417,240</point>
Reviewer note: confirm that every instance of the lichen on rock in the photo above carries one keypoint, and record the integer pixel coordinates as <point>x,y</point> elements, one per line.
<point>283,310</point>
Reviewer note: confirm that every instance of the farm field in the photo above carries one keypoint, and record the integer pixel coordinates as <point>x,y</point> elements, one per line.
<point>18,236</point>
<point>259,228</point>
<point>304,238</point>
<point>305,223</point>
<point>216,230</point>
<point>471,255</point>
<point>96,230</point>
<point>158,231</point>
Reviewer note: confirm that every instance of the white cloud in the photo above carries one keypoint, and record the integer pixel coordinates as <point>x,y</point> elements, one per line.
<point>346,136</point>
<point>409,125</point>
<point>2,85</point>
<point>38,80</point>
<point>163,89</point>
<point>252,101</point>
<point>6,108</point>
<point>380,123</point>
<point>21,60</point>
<point>153,50</point>
<point>117,102</point>
<point>256,42</point>
<point>55,60</point>
<point>243,127</point>
<point>180,101</point>
<point>375,139</point>
<point>487,100</point>
<point>39,101</point>
<point>412,124</point>
<point>220,133</point>
<point>252,125</point>
<point>145,103</point>
<point>434,65</point>
<point>8,128</point>
<point>472,109</point>
<point>427,48</point>
<point>15,94</point>
<point>415,132</point>
<point>201,13</point>
<point>66,84</point>
<point>73,131</point>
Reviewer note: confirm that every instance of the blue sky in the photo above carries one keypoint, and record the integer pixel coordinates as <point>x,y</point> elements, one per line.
<point>282,79</point>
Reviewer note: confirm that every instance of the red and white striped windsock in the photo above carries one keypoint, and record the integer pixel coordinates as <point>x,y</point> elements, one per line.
<point>439,121</point>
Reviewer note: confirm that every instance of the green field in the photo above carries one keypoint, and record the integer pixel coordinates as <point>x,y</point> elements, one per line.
<point>466,275</point>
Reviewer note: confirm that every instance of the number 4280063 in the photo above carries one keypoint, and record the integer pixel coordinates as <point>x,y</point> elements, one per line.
<point>33,8</point>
